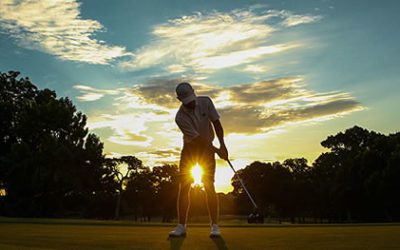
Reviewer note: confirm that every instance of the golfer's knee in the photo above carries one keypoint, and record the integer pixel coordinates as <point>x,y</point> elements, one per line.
<point>209,186</point>
<point>184,188</point>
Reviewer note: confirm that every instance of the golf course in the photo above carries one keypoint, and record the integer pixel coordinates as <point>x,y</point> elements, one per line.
<point>91,234</point>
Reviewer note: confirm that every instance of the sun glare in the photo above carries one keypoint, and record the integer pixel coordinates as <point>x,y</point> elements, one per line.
<point>197,173</point>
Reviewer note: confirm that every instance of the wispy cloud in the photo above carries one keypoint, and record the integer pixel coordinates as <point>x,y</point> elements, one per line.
<point>199,42</point>
<point>128,129</point>
<point>132,120</point>
<point>255,68</point>
<point>89,94</point>
<point>298,19</point>
<point>206,42</point>
<point>56,27</point>
<point>161,156</point>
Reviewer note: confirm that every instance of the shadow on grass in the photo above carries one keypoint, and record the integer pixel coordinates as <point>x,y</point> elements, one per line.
<point>220,243</point>
<point>176,242</point>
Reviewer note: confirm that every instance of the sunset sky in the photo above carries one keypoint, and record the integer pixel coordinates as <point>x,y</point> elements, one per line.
<point>282,74</point>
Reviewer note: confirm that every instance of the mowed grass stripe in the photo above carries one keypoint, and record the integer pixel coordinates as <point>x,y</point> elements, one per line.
<point>75,236</point>
<point>236,223</point>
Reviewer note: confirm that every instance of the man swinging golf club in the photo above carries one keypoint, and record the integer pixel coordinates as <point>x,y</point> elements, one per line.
<point>194,119</point>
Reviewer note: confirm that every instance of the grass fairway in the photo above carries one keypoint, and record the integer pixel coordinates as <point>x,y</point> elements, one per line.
<point>81,234</point>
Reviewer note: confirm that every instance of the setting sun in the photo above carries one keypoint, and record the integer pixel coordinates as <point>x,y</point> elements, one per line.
<point>197,173</point>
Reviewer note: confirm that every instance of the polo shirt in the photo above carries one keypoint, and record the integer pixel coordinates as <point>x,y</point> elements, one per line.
<point>197,122</point>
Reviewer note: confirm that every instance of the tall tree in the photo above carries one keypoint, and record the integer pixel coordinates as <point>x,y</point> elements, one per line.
<point>123,169</point>
<point>47,155</point>
<point>300,188</point>
<point>166,188</point>
<point>140,194</point>
<point>350,174</point>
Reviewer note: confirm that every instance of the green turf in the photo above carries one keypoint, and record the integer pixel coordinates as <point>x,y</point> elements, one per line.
<point>82,234</point>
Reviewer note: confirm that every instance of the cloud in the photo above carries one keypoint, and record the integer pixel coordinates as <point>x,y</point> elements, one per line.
<point>160,156</point>
<point>257,107</point>
<point>161,92</point>
<point>293,20</point>
<point>238,57</point>
<point>130,118</point>
<point>242,119</point>
<point>200,42</point>
<point>130,139</point>
<point>268,91</point>
<point>157,91</point>
<point>166,152</point>
<point>205,42</point>
<point>127,129</point>
<point>255,68</point>
<point>89,94</point>
<point>267,105</point>
<point>56,27</point>
<point>255,119</point>
<point>176,68</point>
<point>153,157</point>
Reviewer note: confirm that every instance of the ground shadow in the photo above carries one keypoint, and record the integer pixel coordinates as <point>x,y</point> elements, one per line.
<point>220,243</point>
<point>176,242</point>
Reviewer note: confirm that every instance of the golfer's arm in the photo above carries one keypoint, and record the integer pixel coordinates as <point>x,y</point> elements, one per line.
<point>219,131</point>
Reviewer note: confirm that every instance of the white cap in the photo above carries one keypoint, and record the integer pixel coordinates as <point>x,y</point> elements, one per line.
<point>185,93</point>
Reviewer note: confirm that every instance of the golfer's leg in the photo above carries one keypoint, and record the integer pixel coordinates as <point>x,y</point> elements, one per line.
<point>212,201</point>
<point>208,163</point>
<point>183,202</point>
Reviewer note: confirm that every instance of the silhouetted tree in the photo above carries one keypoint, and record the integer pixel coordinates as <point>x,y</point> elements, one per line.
<point>166,186</point>
<point>123,169</point>
<point>269,183</point>
<point>300,188</point>
<point>140,193</point>
<point>46,153</point>
<point>352,177</point>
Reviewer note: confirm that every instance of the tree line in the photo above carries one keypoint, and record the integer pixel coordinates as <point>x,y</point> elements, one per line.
<point>51,166</point>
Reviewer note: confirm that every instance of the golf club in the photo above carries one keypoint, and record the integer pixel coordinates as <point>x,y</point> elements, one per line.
<point>242,183</point>
<point>254,217</point>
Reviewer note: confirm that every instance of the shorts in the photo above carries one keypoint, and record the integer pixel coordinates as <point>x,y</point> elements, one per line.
<point>192,154</point>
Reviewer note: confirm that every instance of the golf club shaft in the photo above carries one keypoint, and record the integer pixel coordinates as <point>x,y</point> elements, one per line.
<point>242,183</point>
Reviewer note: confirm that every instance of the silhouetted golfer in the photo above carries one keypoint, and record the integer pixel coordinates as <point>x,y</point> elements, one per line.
<point>194,119</point>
